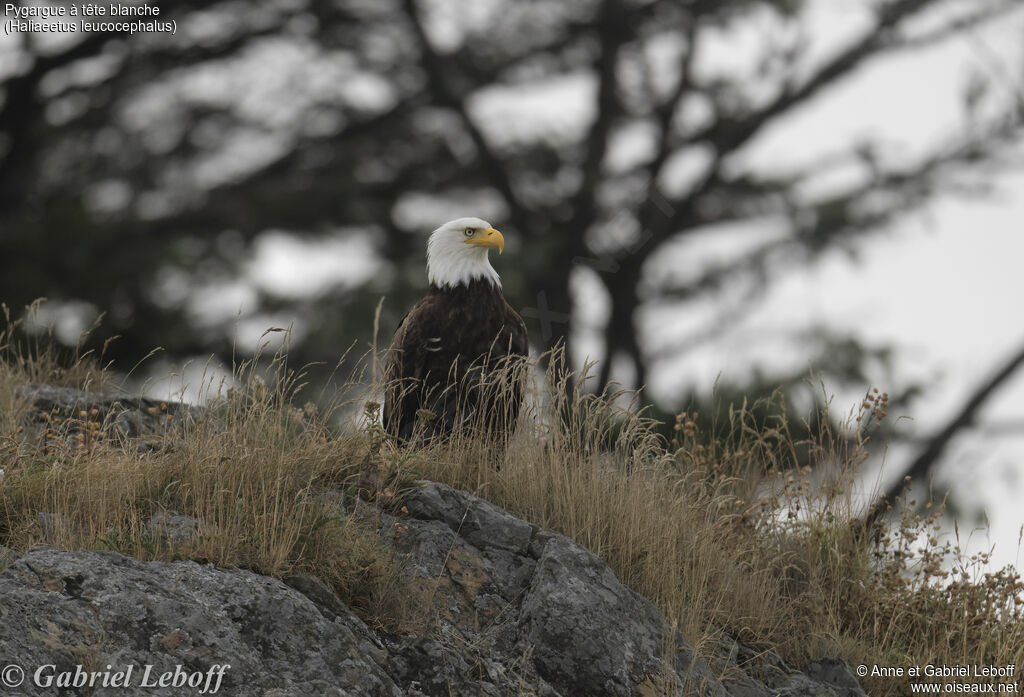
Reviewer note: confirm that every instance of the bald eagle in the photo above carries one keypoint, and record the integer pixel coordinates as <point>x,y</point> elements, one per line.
<point>451,364</point>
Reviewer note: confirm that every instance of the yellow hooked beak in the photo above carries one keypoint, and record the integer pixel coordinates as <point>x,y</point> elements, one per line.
<point>488,238</point>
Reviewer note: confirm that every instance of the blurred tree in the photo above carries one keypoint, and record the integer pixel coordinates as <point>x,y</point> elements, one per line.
<point>138,173</point>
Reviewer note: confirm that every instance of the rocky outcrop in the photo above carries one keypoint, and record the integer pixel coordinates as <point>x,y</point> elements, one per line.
<point>61,415</point>
<point>513,610</point>
<point>535,605</point>
<point>506,609</point>
<point>535,598</point>
<point>68,612</point>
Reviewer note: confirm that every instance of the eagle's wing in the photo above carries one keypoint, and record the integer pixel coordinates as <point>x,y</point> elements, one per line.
<point>406,366</point>
<point>519,344</point>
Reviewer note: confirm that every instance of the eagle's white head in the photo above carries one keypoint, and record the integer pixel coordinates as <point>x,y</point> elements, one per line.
<point>457,253</point>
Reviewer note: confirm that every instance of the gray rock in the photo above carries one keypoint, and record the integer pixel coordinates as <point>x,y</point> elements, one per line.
<point>592,635</point>
<point>526,596</point>
<point>823,678</point>
<point>479,522</point>
<point>765,674</point>
<point>834,672</point>
<point>99,608</point>
<point>63,414</point>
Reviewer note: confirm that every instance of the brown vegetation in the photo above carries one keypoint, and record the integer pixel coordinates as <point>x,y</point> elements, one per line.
<point>725,532</point>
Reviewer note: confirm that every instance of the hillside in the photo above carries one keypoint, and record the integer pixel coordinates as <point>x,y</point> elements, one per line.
<point>588,557</point>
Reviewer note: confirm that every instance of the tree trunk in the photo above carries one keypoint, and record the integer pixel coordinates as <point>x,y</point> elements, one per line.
<point>621,336</point>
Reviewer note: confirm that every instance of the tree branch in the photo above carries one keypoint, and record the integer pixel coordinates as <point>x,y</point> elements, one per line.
<point>612,36</point>
<point>962,24</point>
<point>936,445</point>
<point>447,96</point>
<point>728,134</point>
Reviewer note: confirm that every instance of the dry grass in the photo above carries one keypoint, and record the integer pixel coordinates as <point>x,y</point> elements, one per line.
<point>745,531</point>
<point>273,488</point>
<point>741,531</point>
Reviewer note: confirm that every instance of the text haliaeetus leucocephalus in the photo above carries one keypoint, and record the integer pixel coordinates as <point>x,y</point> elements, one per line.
<point>451,359</point>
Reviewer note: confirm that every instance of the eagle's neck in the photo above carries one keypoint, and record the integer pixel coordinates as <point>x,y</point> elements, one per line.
<point>475,289</point>
<point>462,266</point>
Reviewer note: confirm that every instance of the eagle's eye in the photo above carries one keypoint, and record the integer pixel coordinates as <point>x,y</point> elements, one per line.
<point>468,232</point>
